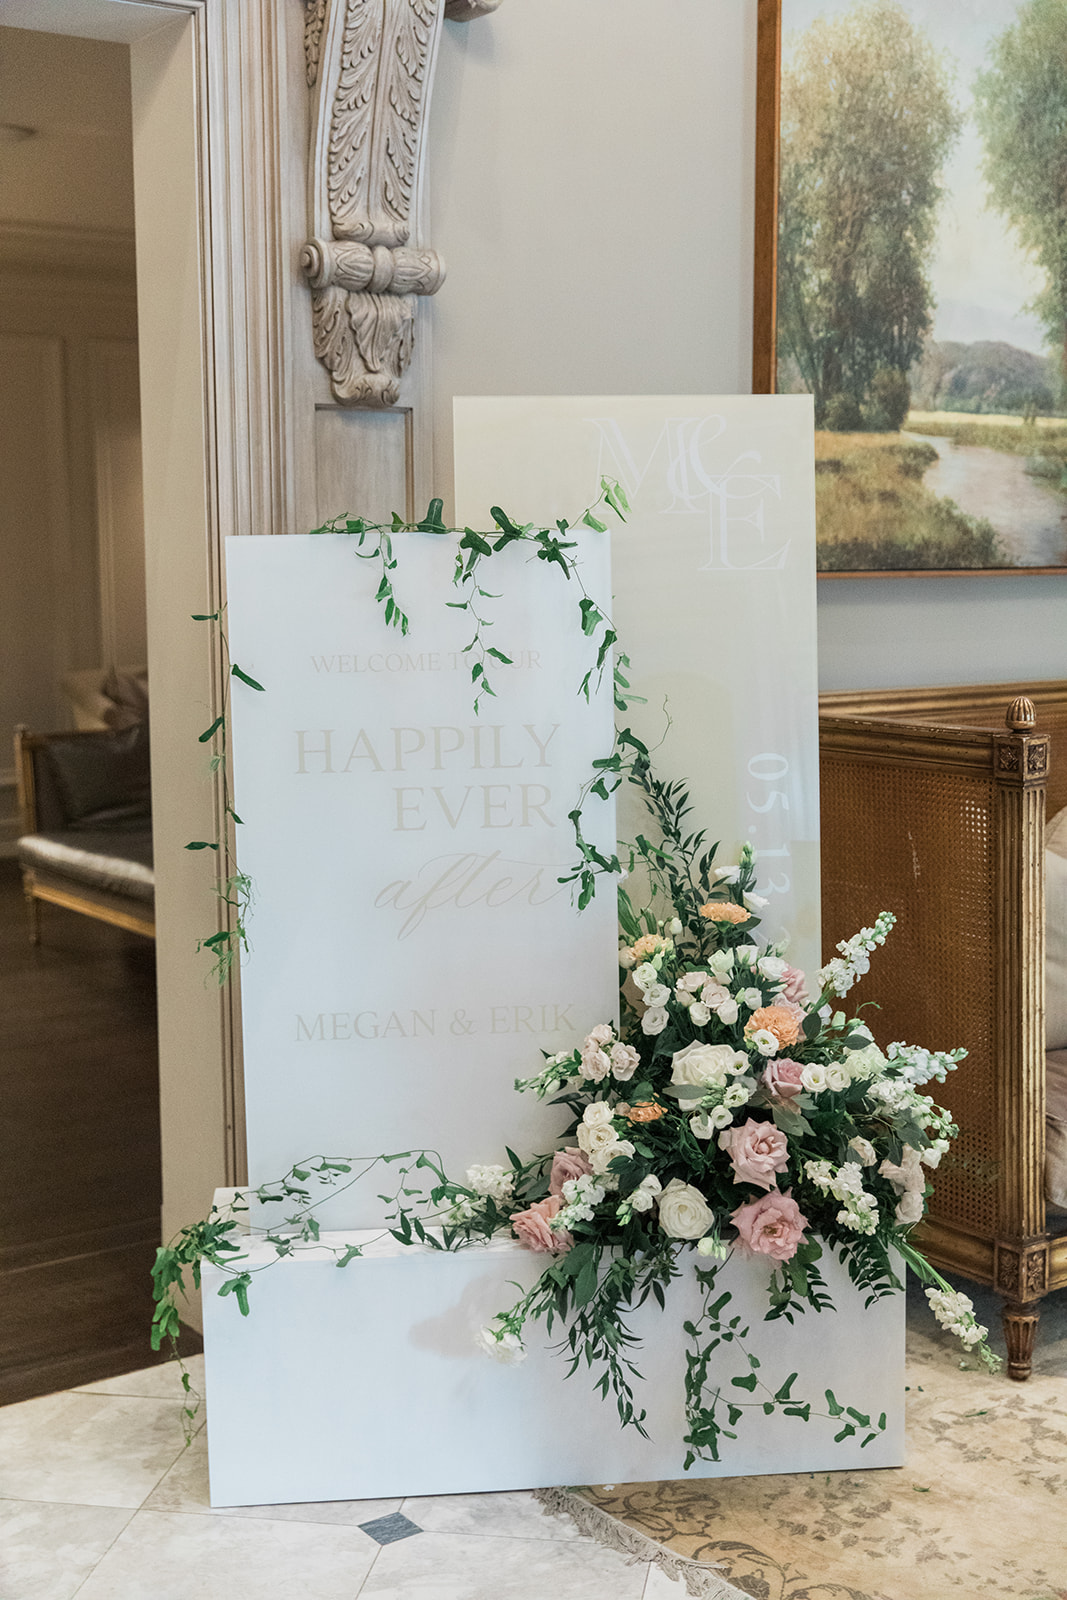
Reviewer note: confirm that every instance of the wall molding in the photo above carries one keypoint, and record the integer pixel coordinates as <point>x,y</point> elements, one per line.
<point>53,250</point>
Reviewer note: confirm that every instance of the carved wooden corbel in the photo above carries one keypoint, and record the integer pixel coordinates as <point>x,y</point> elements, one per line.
<point>370,63</point>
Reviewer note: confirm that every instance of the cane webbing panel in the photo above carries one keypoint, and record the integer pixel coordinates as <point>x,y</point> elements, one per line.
<point>919,842</point>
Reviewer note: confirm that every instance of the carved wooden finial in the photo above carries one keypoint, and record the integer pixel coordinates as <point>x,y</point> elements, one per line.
<point>1021,715</point>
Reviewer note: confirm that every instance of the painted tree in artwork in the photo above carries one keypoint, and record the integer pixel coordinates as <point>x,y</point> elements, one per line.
<point>867,120</point>
<point>1021,109</point>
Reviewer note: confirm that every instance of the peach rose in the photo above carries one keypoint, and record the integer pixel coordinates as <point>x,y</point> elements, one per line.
<point>771,1226</point>
<point>532,1230</point>
<point>782,1021</point>
<point>757,1151</point>
<point>566,1164</point>
<point>724,911</point>
<point>781,1078</point>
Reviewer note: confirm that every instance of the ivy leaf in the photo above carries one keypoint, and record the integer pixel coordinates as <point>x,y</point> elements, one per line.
<point>748,1382</point>
<point>205,616</point>
<point>201,844</point>
<point>594,522</point>
<point>432,522</point>
<point>214,728</point>
<point>251,682</point>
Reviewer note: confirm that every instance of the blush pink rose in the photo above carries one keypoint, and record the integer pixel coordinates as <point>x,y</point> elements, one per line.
<point>781,1078</point>
<point>532,1230</point>
<point>757,1150</point>
<point>771,1226</point>
<point>567,1164</point>
<point>794,986</point>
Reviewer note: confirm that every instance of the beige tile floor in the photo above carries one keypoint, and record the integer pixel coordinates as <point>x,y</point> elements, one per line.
<point>100,1499</point>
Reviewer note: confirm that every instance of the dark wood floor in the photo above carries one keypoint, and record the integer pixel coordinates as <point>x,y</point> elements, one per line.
<point>79,1148</point>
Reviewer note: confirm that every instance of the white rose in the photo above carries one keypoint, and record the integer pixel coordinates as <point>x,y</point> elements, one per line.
<point>704,1065</point>
<point>910,1207</point>
<point>683,1212</point>
<point>595,1137</point>
<point>722,964</point>
<point>813,1077</point>
<point>752,998</point>
<point>699,1014</point>
<point>624,1061</point>
<point>603,1033</point>
<point>773,968</point>
<point>599,1113</point>
<point>645,974</point>
<point>713,994</point>
<point>836,1077</point>
<point>596,1064</point>
<point>657,995</point>
<point>765,1041</point>
<point>654,1020</point>
<point>864,1150</point>
<point>600,1160</point>
<point>727,1012</point>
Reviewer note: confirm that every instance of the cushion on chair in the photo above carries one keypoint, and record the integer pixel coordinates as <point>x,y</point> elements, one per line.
<point>1056,1129</point>
<point>1055,951</point>
<point>119,861</point>
<point>102,777</point>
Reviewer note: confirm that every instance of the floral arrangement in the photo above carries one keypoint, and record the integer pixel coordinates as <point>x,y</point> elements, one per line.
<point>735,1107</point>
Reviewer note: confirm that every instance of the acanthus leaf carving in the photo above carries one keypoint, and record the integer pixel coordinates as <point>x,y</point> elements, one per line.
<point>372,64</point>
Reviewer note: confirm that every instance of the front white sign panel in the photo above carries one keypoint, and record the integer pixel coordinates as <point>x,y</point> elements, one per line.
<point>714,599</point>
<point>412,948</point>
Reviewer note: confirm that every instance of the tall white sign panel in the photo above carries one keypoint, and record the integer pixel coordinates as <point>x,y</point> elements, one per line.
<point>412,947</point>
<point>714,598</point>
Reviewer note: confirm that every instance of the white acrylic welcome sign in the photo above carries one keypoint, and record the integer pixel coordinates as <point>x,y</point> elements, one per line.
<point>714,584</point>
<point>412,948</point>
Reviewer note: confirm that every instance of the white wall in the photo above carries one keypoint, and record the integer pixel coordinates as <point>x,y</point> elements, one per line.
<point>591,190</point>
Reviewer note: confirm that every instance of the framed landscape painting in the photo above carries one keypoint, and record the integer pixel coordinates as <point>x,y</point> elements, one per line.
<point>911,274</point>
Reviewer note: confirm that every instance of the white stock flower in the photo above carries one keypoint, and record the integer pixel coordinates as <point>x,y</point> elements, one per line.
<point>683,1211</point>
<point>699,1014</point>
<point>864,1149</point>
<point>908,1177</point>
<point>503,1346</point>
<point>581,1196</point>
<point>463,1209</point>
<point>495,1182</point>
<point>644,1196</point>
<point>706,1066</point>
<point>932,1157</point>
<point>813,1077</point>
<point>764,1041</point>
<point>956,1313</point>
<point>655,1020</point>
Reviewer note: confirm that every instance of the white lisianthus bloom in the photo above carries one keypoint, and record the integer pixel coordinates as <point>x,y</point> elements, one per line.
<point>644,1196</point>
<point>864,1149</point>
<point>701,1125</point>
<point>699,1014</point>
<point>706,1065</point>
<point>735,1095</point>
<point>932,1157</point>
<point>683,1211</point>
<point>713,994</point>
<point>869,1062</point>
<point>599,1113</point>
<point>495,1182</point>
<point>727,1011</point>
<point>722,964</point>
<point>755,902</point>
<point>813,1077</point>
<point>710,1246</point>
<point>773,968</point>
<point>645,975</point>
<point>752,998</point>
<point>626,958</point>
<point>837,1077</point>
<point>657,994</point>
<point>674,927</point>
<point>727,874</point>
<point>720,1117</point>
<point>683,996</point>
<point>764,1041</point>
<point>655,1020</point>
<point>503,1346</point>
<point>692,982</point>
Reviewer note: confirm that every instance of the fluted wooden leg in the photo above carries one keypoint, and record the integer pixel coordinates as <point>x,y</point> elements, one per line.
<point>1020,1329</point>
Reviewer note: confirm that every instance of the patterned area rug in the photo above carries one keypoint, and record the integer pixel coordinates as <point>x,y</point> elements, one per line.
<point>980,1509</point>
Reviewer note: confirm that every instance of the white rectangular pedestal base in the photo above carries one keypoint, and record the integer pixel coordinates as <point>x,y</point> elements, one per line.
<point>366,1382</point>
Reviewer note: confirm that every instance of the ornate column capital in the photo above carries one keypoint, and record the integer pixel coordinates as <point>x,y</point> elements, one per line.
<point>370,66</point>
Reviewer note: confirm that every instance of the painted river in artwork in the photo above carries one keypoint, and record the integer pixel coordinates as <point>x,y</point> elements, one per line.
<point>1030,517</point>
